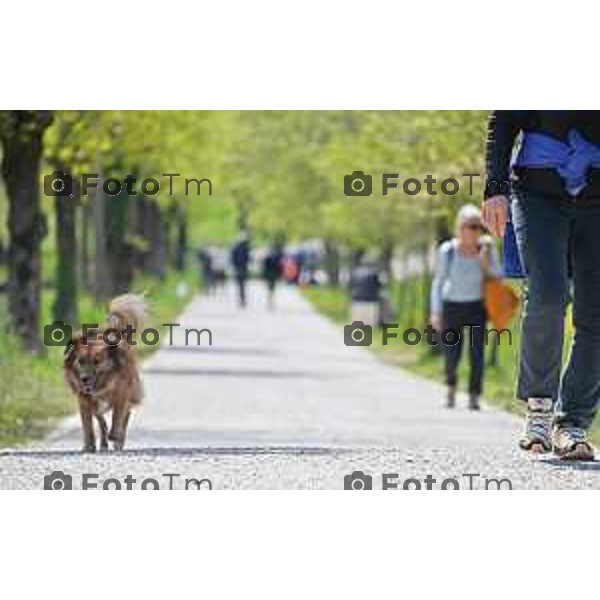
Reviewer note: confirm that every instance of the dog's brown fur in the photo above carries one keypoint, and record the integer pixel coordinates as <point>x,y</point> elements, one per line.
<point>106,377</point>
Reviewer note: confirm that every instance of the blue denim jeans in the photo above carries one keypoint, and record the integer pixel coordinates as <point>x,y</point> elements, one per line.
<point>559,243</point>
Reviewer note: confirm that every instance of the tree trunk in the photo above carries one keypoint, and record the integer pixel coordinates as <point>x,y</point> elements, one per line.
<point>118,251</point>
<point>332,263</point>
<point>22,134</point>
<point>427,280</point>
<point>153,226</point>
<point>65,303</point>
<point>158,239</point>
<point>181,239</point>
<point>387,255</point>
<point>84,243</point>
<point>102,288</point>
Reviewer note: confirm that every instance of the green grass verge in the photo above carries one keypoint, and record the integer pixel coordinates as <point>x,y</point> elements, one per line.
<point>33,394</point>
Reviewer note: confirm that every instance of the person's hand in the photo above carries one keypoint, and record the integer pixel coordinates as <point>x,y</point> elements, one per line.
<point>436,321</point>
<point>495,214</point>
<point>485,254</point>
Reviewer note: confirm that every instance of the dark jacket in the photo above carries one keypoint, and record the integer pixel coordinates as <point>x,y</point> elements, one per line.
<point>504,127</point>
<point>240,257</point>
<point>365,285</point>
<point>272,265</point>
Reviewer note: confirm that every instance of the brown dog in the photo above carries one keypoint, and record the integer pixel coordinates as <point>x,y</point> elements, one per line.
<point>105,376</point>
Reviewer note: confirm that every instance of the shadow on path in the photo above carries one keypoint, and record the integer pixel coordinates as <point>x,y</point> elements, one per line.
<point>183,451</point>
<point>571,465</point>
<point>254,351</point>
<point>252,373</point>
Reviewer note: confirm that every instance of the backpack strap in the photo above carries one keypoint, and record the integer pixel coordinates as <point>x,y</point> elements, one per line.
<point>449,259</point>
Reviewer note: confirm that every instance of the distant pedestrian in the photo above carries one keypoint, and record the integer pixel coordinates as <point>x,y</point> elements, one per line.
<point>365,293</point>
<point>457,298</point>
<point>240,261</point>
<point>291,271</point>
<point>272,271</point>
<point>206,266</point>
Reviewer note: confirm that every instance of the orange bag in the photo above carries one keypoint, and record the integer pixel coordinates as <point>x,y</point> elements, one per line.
<point>501,302</point>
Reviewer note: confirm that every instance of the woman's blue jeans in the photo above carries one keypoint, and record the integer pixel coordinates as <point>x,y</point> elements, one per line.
<point>559,243</point>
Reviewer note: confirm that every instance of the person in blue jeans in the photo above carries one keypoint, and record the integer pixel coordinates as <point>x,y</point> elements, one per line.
<point>553,180</point>
<point>462,265</point>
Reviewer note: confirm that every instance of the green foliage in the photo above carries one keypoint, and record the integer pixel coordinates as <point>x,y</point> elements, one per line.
<point>32,393</point>
<point>333,302</point>
<point>282,171</point>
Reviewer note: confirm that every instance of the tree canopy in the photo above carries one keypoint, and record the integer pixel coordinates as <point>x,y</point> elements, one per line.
<point>278,173</point>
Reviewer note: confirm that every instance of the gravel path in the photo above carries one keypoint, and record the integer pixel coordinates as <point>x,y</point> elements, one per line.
<point>278,401</point>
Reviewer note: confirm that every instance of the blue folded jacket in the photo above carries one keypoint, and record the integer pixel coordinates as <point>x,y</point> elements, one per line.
<point>571,159</point>
<point>512,265</point>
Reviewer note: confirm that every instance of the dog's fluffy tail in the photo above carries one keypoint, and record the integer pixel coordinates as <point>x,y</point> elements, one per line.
<point>129,309</point>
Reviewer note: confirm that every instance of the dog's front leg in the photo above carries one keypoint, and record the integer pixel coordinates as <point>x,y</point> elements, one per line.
<point>87,422</point>
<point>103,432</point>
<point>120,420</point>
